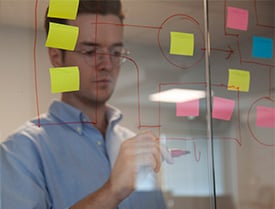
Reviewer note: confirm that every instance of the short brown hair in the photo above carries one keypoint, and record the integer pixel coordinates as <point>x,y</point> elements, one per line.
<point>102,7</point>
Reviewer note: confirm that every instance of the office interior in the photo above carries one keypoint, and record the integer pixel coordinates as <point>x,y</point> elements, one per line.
<point>231,164</point>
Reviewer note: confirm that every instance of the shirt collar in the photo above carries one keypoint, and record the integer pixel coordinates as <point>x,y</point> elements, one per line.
<point>114,115</point>
<point>76,119</point>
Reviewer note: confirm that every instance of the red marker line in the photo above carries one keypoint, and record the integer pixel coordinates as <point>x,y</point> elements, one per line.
<point>178,152</point>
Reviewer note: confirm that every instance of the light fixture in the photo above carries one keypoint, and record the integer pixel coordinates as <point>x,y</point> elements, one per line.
<point>177,95</point>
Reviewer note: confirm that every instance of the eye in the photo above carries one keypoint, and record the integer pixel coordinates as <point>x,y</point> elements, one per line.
<point>117,52</point>
<point>90,52</point>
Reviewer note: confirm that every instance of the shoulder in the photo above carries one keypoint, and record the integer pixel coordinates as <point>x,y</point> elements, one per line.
<point>27,136</point>
<point>22,150</point>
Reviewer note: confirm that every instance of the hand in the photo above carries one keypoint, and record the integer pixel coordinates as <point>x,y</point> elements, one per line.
<point>143,150</point>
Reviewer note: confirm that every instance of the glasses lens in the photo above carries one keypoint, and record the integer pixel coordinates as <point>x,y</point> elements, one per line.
<point>117,55</point>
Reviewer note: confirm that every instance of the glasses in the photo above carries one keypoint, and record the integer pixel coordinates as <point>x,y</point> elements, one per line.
<point>95,55</point>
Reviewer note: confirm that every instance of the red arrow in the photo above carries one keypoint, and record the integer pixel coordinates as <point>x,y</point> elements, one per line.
<point>230,51</point>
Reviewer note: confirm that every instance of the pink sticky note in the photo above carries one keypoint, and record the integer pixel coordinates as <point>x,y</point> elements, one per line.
<point>237,18</point>
<point>190,108</point>
<point>222,108</point>
<point>265,117</point>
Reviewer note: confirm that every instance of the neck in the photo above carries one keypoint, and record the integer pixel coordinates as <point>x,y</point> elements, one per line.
<point>94,110</point>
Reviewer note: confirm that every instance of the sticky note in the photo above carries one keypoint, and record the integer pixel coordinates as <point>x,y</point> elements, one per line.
<point>222,108</point>
<point>182,43</point>
<point>238,80</point>
<point>265,117</point>
<point>262,47</point>
<point>64,9</point>
<point>190,108</point>
<point>64,79</point>
<point>62,36</point>
<point>237,18</point>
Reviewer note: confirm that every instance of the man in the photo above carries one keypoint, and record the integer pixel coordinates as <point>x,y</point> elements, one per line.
<point>79,156</point>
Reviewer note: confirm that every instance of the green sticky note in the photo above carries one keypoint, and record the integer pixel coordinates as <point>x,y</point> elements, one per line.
<point>64,9</point>
<point>182,43</point>
<point>64,79</point>
<point>238,80</point>
<point>62,36</point>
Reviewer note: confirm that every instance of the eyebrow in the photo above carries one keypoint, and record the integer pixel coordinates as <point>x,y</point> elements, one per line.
<point>87,43</point>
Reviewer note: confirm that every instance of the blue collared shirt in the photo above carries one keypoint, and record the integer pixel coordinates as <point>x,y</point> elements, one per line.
<point>56,160</point>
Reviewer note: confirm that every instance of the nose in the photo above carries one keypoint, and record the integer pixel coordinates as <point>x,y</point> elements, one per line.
<point>104,60</point>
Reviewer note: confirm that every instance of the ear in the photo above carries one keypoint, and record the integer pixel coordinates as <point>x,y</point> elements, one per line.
<point>55,57</point>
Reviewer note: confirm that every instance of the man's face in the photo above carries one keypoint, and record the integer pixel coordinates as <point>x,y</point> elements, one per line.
<point>98,69</point>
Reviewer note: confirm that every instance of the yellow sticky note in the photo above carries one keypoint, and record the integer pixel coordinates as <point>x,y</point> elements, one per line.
<point>238,80</point>
<point>64,9</point>
<point>182,43</point>
<point>62,36</point>
<point>64,79</point>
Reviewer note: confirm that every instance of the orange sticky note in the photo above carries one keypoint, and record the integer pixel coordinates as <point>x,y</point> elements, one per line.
<point>64,9</point>
<point>64,79</point>
<point>265,117</point>
<point>62,36</point>
<point>238,80</point>
<point>182,43</point>
<point>190,108</point>
<point>222,108</point>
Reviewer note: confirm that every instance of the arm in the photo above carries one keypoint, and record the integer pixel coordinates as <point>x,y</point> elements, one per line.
<point>104,198</point>
<point>135,153</point>
<point>22,182</point>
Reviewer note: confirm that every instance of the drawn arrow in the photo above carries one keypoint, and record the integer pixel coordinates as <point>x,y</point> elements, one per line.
<point>230,51</point>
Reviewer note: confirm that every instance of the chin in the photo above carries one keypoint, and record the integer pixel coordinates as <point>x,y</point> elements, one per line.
<point>92,99</point>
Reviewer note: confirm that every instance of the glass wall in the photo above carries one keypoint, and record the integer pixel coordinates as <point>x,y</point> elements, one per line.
<point>247,139</point>
<point>226,50</point>
<point>200,73</point>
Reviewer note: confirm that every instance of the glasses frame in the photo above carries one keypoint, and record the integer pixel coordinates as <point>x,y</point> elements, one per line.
<point>96,56</point>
